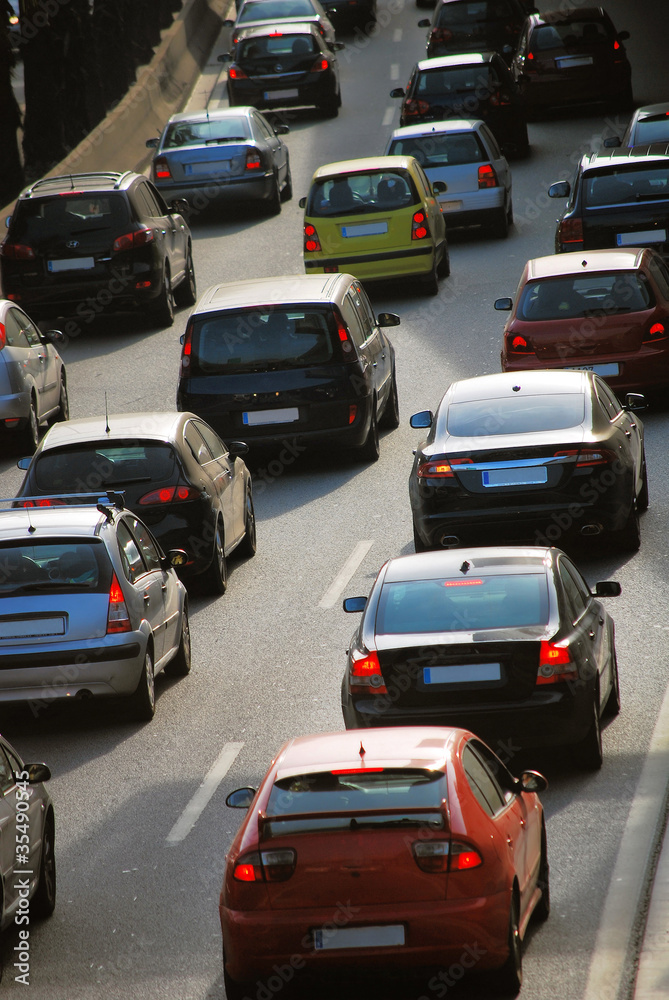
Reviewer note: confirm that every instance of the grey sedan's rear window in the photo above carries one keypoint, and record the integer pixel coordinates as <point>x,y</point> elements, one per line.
<point>53,565</point>
<point>515,415</point>
<point>89,467</point>
<point>441,150</point>
<point>463,605</point>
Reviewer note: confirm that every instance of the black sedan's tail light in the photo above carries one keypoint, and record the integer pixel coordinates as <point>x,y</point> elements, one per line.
<point>170,494</point>
<point>441,468</point>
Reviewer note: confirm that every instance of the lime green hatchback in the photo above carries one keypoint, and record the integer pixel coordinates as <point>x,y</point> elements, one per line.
<point>376,218</point>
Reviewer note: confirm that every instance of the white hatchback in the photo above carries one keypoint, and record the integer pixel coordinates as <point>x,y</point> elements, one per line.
<point>464,154</point>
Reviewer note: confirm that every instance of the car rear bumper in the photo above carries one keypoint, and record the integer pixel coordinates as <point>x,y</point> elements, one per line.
<point>270,95</point>
<point>14,407</point>
<point>216,189</point>
<point>260,944</point>
<point>381,264</point>
<point>642,371</point>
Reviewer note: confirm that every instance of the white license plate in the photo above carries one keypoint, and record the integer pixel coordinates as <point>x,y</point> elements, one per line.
<point>280,95</point>
<point>525,476</point>
<point>567,62</point>
<point>450,206</point>
<point>388,936</point>
<point>211,167</point>
<point>641,239</point>
<point>464,674</point>
<point>72,264</point>
<point>286,416</point>
<point>32,628</point>
<point>365,229</point>
<point>604,370</point>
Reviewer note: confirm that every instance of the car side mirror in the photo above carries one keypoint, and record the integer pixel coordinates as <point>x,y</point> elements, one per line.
<point>224,56</point>
<point>228,23</point>
<point>561,189</point>
<point>532,781</point>
<point>236,448</point>
<point>24,463</point>
<point>302,202</point>
<point>612,142</point>
<point>179,206</point>
<point>37,773</point>
<point>635,401</point>
<point>353,605</point>
<point>153,143</point>
<point>241,798</point>
<point>504,305</point>
<point>623,36</point>
<point>53,336</point>
<point>338,46</point>
<point>388,319</point>
<point>425,22</point>
<point>177,558</point>
<point>7,221</point>
<point>608,588</point>
<point>439,187</point>
<point>422,419</point>
<point>397,92</point>
<point>281,129</point>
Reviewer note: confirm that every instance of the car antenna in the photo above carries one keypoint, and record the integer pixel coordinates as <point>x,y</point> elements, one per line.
<point>107,427</point>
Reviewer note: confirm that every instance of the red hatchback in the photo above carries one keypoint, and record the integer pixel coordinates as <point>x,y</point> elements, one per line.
<point>604,311</point>
<point>384,849</point>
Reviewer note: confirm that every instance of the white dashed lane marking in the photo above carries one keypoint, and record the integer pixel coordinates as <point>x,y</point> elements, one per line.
<point>333,593</point>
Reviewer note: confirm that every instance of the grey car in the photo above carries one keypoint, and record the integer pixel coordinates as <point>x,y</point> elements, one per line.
<point>33,382</point>
<point>89,604</point>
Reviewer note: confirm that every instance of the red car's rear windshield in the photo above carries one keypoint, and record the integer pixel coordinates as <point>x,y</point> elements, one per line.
<point>578,295</point>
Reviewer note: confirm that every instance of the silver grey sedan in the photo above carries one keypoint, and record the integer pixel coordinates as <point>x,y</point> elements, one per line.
<point>33,382</point>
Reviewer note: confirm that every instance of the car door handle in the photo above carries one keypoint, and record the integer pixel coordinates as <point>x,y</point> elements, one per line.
<point>601,621</point>
<point>147,598</point>
<point>632,425</point>
<point>374,364</point>
<point>42,358</point>
<point>592,634</point>
<point>628,434</point>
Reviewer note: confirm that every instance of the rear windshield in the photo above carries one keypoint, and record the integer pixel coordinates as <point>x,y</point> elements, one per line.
<point>597,294</point>
<point>475,12</point>
<point>570,35</point>
<point>272,10</point>
<point>654,128</point>
<point>390,789</point>
<point>264,339</point>
<point>516,601</point>
<point>86,468</point>
<point>201,133</point>
<point>517,415</point>
<point>441,150</point>
<point>362,193</point>
<point>478,81</point>
<point>54,565</point>
<point>275,45</point>
<point>619,187</point>
<point>73,214</point>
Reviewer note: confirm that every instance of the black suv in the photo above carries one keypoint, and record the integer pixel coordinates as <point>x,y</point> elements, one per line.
<point>474,25</point>
<point>617,199</point>
<point>83,244</point>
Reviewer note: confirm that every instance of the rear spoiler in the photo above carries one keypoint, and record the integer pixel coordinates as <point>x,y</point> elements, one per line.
<point>264,820</point>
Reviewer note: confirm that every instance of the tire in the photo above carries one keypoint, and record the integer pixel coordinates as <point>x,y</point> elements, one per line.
<point>628,539</point>
<point>163,310</point>
<point>63,412</point>
<point>369,451</point>
<point>179,665</point>
<point>391,411</point>
<point>186,293</point>
<point>247,546</point>
<point>509,978</point>
<point>509,214</point>
<point>287,192</point>
<point>273,203</point>
<point>612,707</point>
<point>43,902</point>
<point>28,436</point>
<point>642,499</point>
<point>143,701</point>
<point>543,907</point>
<point>215,578</point>
<point>521,144</point>
<point>331,108</point>
<point>500,225</point>
<point>430,283</point>
<point>444,268</point>
<point>589,752</point>
<point>233,989</point>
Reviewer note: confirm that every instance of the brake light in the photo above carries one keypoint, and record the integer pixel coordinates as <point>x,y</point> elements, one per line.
<point>463,856</point>
<point>266,866</point>
<point>570,231</point>
<point>419,227</point>
<point>235,73</point>
<point>161,169</point>
<point>441,468</point>
<point>248,869</point>
<point>487,176</point>
<point>518,345</point>
<point>186,349</point>
<point>499,99</point>
<point>3,336</point>
<point>320,65</point>
<point>657,331</point>
<point>312,244</point>
<point>364,675</point>
<point>16,251</point>
<point>588,456</point>
<point>412,107</point>
<point>44,502</point>
<point>169,494</point>
<point>253,161</point>
<point>138,238</point>
<point>117,613</point>
<point>441,34</point>
<point>352,411</point>
<point>555,663</point>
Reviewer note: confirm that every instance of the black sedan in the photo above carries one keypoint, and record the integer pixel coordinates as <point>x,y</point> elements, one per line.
<point>507,641</point>
<point>286,66</point>
<point>223,155</point>
<point>536,455</point>
<point>192,490</point>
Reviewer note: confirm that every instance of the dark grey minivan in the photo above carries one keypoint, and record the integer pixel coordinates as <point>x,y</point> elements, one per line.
<point>295,358</point>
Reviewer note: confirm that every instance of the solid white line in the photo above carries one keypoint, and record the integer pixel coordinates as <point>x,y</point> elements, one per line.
<point>395,71</point>
<point>397,35</point>
<point>197,804</point>
<point>623,906</point>
<point>333,592</point>
<point>388,116</point>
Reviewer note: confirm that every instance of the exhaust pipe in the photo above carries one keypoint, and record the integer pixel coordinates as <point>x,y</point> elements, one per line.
<point>449,541</point>
<point>591,529</point>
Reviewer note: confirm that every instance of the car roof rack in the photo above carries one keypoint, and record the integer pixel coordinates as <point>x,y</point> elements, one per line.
<point>106,503</point>
<point>111,175</point>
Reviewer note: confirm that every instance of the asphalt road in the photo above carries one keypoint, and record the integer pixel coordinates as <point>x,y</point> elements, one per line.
<point>137,907</point>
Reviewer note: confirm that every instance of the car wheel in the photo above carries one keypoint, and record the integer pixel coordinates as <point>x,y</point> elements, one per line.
<point>247,546</point>
<point>543,907</point>
<point>143,701</point>
<point>63,411</point>
<point>186,293</point>
<point>28,436</point>
<point>215,578</point>
<point>287,192</point>
<point>589,753</point>
<point>642,499</point>
<point>179,665</point>
<point>391,411</point>
<point>430,283</point>
<point>509,214</point>
<point>500,225</point>
<point>629,537</point>
<point>369,451</point>
<point>331,108</point>
<point>509,978</point>
<point>444,268</point>
<point>521,143</point>
<point>233,989</point>
<point>273,203</point>
<point>163,310</point>
<point>612,707</point>
<point>43,902</point>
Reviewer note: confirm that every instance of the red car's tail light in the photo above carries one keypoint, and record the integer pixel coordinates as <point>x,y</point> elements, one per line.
<point>441,468</point>
<point>588,456</point>
<point>432,855</point>
<point>463,856</point>
<point>515,344</point>
<point>235,73</point>
<point>657,331</point>
<point>117,613</point>
<point>555,663</point>
<point>419,227</point>
<point>248,868</point>
<point>17,251</point>
<point>311,240</point>
<point>169,494</point>
<point>161,169</point>
<point>320,65</point>
<point>570,231</point>
<point>266,866</point>
<point>487,176</point>
<point>364,675</point>
<point>253,160</point>
<point>138,238</point>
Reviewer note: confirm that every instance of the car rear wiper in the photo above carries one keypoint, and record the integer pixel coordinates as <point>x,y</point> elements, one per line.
<point>227,138</point>
<point>355,824</point>
<point>123,482</point>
